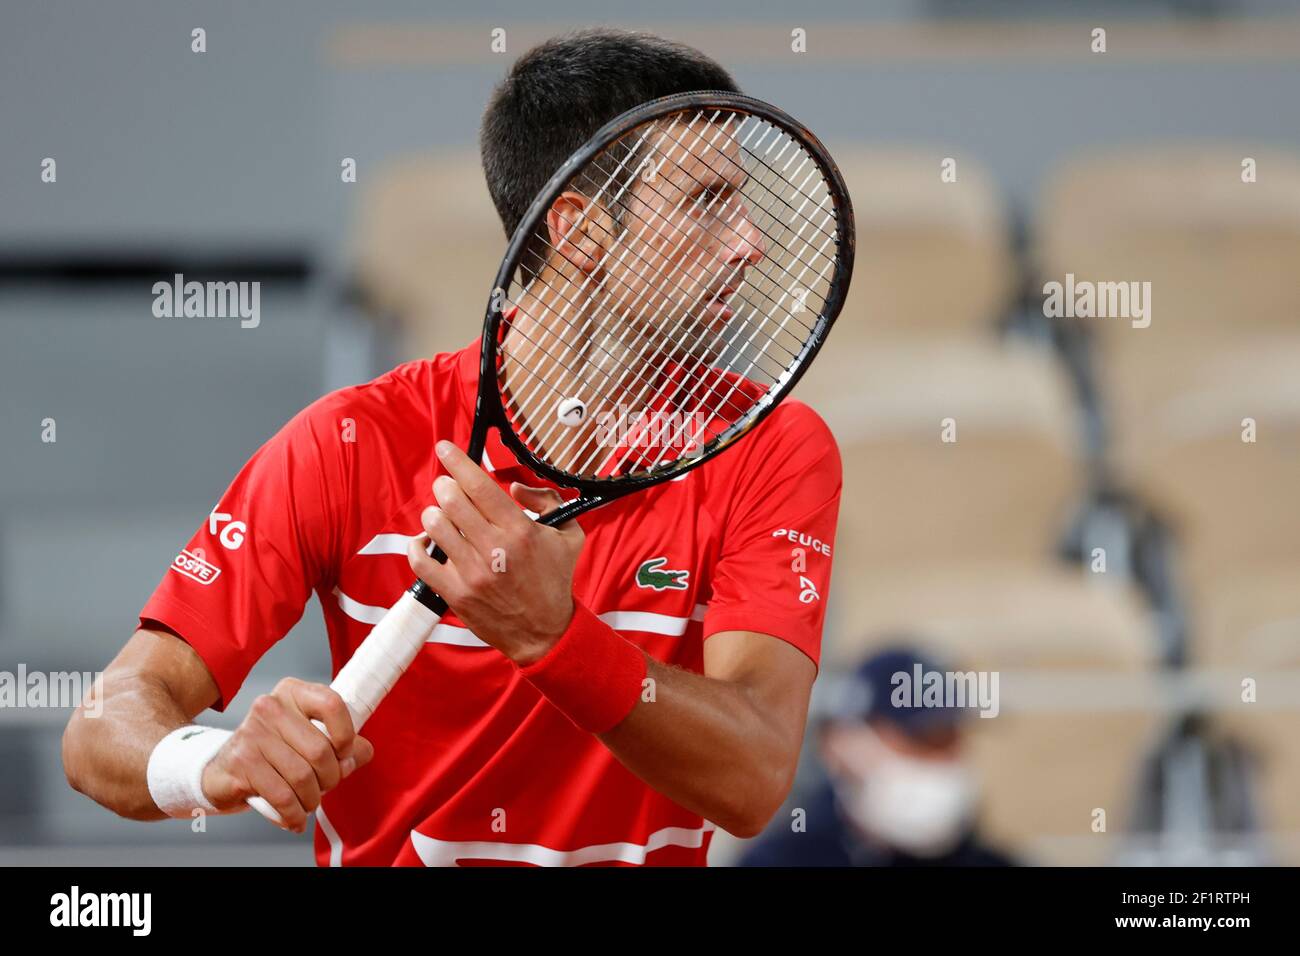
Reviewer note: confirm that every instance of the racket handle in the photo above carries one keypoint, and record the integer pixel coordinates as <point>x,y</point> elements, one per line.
<point>374,668</point>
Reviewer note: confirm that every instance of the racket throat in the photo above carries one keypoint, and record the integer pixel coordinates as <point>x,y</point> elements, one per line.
<point>429,598</point>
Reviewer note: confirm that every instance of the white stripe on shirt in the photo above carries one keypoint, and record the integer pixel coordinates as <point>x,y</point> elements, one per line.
<point>644,621</point>
<point>444,853</point>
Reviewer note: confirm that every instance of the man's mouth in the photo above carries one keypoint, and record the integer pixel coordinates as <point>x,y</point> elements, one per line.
<point>718,305</point>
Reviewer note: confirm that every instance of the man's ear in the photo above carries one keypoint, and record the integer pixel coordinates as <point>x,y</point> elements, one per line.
<point>570,232</point>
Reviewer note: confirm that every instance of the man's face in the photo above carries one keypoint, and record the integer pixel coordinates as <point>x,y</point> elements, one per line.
<point>689,233</point>
<point>671,262</point>
<point>912,792</point>
<point>853,747</point>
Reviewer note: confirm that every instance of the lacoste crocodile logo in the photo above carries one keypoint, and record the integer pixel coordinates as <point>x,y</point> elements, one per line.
<point>649,575</point>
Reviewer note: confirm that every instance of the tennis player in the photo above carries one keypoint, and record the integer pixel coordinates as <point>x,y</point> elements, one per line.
<point>605,692</point>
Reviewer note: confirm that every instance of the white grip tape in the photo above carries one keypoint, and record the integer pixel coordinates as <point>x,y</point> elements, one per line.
<point>383,657</point>
<point>374,668</point>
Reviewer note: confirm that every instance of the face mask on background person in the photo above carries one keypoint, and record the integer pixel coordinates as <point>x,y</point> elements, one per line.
<point>922,807</point>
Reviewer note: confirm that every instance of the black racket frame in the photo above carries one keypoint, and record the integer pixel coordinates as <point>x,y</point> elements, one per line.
<point>490,413</point>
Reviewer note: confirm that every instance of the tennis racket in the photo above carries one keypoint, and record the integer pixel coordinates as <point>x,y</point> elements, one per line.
<point>664,292</point>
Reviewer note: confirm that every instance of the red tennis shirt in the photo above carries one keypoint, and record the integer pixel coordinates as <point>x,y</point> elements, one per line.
<point>472,765</point>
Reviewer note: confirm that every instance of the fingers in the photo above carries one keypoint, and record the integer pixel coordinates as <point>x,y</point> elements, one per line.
<point>312,747</point>
<point>540,501</point>
<point>485,494</point>
<point>304,790</point>
<point>262,778</point>
<point>443,578</point>
<point>442,531</point>
<point>318,702</point>
<point>295,747</point>
<point>543,501</point>
<point>362,751</point>
<point>281,754</point>
<point>466,517</point>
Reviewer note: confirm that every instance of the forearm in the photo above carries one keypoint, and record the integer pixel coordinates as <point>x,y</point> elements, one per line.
<point>707,745</point>
<point>105,757</point>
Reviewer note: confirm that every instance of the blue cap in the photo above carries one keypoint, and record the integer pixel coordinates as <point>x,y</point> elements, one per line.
<point>886,687</point>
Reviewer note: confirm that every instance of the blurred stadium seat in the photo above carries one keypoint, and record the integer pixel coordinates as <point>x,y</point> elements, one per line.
<point>1271,742</point>
<point>1000,490</point>
<point>913,228</point>
<point>1232,502</point>
<point>1005,615</point>
<point>1220,255</point>
<point>428,242</point>
<point>1219,252</point>
<point>1251,620</point>
<point>1247,626</point>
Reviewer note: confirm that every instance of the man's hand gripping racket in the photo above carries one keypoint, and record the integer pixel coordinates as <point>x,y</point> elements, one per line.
<point>664,292</point>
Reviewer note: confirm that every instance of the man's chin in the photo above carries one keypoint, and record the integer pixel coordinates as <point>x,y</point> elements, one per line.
<point>700,339</point>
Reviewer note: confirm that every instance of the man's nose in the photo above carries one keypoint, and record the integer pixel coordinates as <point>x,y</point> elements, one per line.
<point>747,244</point>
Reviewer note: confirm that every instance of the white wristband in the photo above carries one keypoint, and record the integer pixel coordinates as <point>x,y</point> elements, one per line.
<point>175,772</point>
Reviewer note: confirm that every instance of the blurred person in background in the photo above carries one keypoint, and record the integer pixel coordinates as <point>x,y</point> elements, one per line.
<point>899,791</point>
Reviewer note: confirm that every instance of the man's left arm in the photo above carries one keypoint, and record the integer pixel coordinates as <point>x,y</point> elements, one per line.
<point>724,743</point>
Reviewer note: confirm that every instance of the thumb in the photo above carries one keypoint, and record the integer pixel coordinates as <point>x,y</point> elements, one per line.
<point>539,500</point>
<point>362,751</point>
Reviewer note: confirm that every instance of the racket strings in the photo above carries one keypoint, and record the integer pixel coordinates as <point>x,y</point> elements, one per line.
<point>789,351</point>
<point>766,208</point>
<point>547,385</point>
<point>780,175</point>
<point>710,388</point>
<point>737,381</point>
<point>607,363</point>
<point>570,301</point>
<point>591,297</point>
<point>796,212</point>
<point>620,362</point>
<point>647,380</point>
<point>687,384</point>
<point>759,269</point>
<point>735,384</point>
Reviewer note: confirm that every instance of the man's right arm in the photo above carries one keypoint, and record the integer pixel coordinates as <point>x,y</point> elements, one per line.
<point>158,683</point>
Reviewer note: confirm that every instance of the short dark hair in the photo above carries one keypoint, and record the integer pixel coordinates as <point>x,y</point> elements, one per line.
<point>560,92</point>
